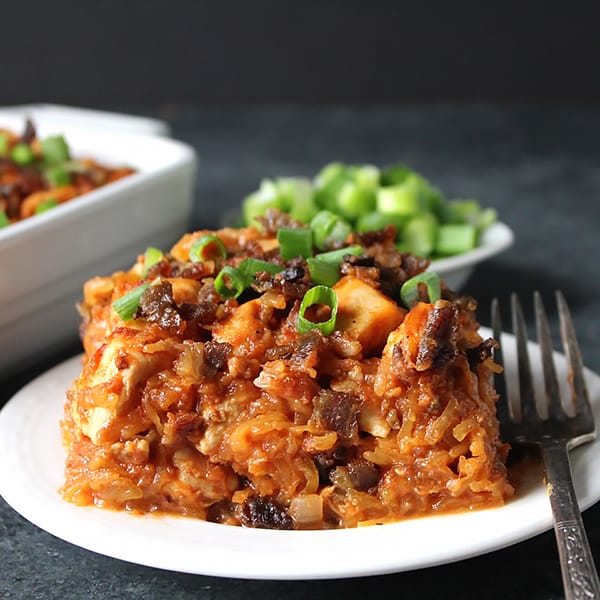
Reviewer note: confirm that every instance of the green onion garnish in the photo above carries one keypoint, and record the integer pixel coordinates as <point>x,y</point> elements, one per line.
<point>4,222</point>
<point>42,207</point>
<point>456,238</point>
<point>58,176</point>
<point>327,227</point>
<point>409,292</point>
<point>22,154</point>
<point>325,267</point>
<point>250,266</point>
<point>152,256</point>
<point>3,144</point>
<point>207,247</point>
<point>127,305</point>
<point>320,294</point>
<point>230,282</point>
<point>322,272</point>
<point>294,242</point>
<point>337,256</point>
<point>55,150</point>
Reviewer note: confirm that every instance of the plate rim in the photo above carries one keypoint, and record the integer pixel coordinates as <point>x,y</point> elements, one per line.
<point>88,526</point>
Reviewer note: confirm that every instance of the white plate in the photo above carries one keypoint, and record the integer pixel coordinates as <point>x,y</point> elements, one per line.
<point>31,471</point>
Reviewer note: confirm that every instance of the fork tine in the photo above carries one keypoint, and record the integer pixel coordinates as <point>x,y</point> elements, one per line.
<point>526,391</point>
<point>503,408</point>
<point>553,401</point>
<point>580,399</point>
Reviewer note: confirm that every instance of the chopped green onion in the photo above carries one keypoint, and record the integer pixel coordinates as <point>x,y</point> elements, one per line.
<point>353,200</point>
<point>55,150</point>
<point>294,242</point>
<point>347,190</point>
<point>58,176</point>
<point>230,282</point>
<point>22,154</point>
<point>325,267</point>
<point>257,203</point>
<point>327,184</point>
<point>127,305</point>
<point>468,212</point>
<point>455,239</point>
<point>322,272</point>
<point>4,221</point>
<point>420,234</point>
<point>297,197</point>
<point>320,294</point>
<point>207,247</point>
<point>337,256</point>
<point>409,292</point>
<point>394,175</point>
<point>401,199</point>
<point>374,221</point>
<point>250,266</point>
<point>327,227</point>
<point>3,144</point>
<point>152,257</point>
<point>42,207</point>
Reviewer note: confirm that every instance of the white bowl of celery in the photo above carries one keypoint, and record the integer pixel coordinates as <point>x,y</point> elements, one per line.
<point>455,234</point>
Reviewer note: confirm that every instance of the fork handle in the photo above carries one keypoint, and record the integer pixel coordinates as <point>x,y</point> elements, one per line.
<point>579,575</point>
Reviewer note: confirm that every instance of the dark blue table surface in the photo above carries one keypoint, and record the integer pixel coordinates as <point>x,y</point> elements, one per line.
<point>538,166</point>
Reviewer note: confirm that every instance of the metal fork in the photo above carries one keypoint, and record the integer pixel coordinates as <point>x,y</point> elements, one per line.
<point>555,427</point>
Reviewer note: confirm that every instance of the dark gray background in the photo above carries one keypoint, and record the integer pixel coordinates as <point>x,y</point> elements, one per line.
<point>357,51</point>
<point>489,99</point>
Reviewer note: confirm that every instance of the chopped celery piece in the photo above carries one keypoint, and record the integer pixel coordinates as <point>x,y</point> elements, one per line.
<point>328,185</point>
<point>420,234</point>
<point>394,175</point>
<point>487,217</point>
<point>349,191</point>
<point>469,212</point>
<point>328,173</point>
<point>374,221</point>
<point>455,239</point>
<point>293,195</point>
<point>327,227</point>
<point>354,200</point>
<point>462,211</point>
<point>367,177</point>
<point>257,203</point>
<point>297,197</point>
<point>344,198</point>
<point>402,199</point>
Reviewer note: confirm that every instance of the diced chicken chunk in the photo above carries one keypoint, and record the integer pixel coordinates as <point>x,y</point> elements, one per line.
<point>366,313</point>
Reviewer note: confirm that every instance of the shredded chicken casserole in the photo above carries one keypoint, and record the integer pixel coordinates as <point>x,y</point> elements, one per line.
<point>219,409</point>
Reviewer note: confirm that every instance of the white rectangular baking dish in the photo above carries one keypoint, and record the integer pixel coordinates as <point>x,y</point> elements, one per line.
<point>44,260</point>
